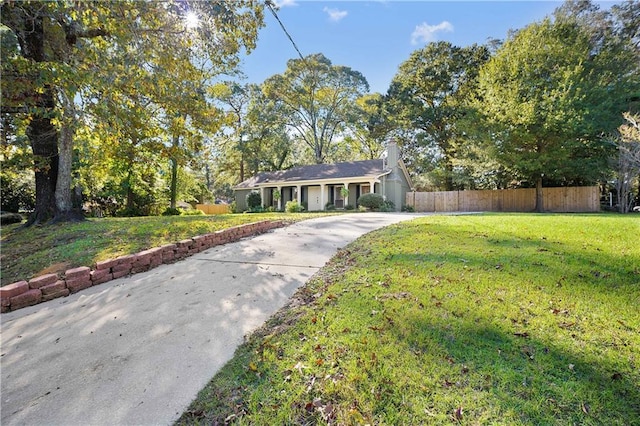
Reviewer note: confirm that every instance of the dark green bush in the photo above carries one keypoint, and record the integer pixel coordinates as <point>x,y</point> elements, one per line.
<point>349,207</point>
<point>254,201</point>
<point>388,206</point>
<point>17,194</point>
<point>330,206</point>
<point>408,208</point>
<point>371,201</point>
<point>7,218</point>
<point>171,212</point>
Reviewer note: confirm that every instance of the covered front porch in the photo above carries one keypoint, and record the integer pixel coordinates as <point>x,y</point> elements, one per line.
<point>317,196</point>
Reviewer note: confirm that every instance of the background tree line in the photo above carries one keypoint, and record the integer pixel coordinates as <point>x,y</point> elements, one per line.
<point>138,116</point>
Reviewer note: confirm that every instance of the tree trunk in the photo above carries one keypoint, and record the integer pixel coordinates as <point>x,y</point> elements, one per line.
<point>42,135</point>
<point>242,167</point>
<point>448,179</point>
<point>40,131</point>
<point>539,198</point>
<point>174,172</point>
<point>65,211</point>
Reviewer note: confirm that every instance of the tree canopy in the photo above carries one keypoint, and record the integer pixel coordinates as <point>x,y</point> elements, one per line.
<point>68,56</point>
<point>429,94</point>
<point>549,94</point>
<point>317,98</point>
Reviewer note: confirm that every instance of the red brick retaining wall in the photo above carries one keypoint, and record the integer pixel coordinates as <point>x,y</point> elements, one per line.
<point>47,287</point>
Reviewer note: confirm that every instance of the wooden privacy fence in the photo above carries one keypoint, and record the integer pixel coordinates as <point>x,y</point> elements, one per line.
<point>214,208</point>
<point>557,200</point>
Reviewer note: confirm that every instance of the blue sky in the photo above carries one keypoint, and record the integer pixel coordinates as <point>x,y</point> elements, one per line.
<point>375,37</point>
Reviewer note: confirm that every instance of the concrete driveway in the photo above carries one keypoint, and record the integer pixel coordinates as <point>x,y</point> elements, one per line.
<point>136,351</point>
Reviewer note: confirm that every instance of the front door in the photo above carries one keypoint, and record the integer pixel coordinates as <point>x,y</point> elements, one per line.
<point>314,204</point>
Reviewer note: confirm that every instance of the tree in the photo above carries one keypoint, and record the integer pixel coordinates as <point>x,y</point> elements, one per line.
<point>370,126</point>
<point>548,94</point>
<point>317,98</point>
<point>428,94</point>
<point>70,50</point>
<point>628,162</point>
<point>236,99</point>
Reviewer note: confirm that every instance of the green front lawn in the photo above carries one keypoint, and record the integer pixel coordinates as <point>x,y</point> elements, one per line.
<point>478,319</point>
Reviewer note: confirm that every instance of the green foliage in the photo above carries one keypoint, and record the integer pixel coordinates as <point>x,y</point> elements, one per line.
<point>172,212</point>
<point>18,192</point>
<point>293,207</point>
<point>388,206</point>
<point>371,201</point>
<point>193,212</point>
<point>486,319</point>
<point>254,200</point>
<point>548,95</point>
<point>408,208</point>
<point>132,75</point>
<point>349,207</point>
<point>329,206</point>
<point>428,98</point>
<point>8,218</point>
<point>318,98</point>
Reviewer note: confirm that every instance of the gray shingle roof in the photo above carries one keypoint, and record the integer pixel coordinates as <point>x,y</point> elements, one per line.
<point>367,168</point>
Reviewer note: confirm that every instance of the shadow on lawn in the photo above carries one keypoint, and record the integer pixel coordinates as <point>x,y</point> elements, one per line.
<point>530,380</point>
<point>531,258</point>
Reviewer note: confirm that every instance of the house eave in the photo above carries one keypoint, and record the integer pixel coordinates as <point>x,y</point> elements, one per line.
<point>312,182</point>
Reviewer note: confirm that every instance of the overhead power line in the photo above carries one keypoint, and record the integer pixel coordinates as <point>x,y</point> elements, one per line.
<point>270,5</point>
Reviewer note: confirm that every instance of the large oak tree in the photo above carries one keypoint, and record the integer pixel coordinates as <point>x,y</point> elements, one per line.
<point>428,96</point>
<point>549,94</point>
<point>72,50</point>
<point>317,98</point>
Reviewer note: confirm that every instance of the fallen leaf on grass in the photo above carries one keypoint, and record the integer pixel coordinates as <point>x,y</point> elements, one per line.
<point>521,334</point>
<point>457,414</point>
<point>585,408</point>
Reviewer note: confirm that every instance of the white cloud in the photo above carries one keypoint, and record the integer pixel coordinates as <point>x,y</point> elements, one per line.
<point>335,15</point>
<point>284,3</point>
<point>425,33</point>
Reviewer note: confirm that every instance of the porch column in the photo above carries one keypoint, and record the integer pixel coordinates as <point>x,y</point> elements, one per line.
<point>372,186</point>
<point>322,202</point>
<point>279,188</point>
<point>262,196</point>
<point>345,200</point>
<point>299,194</point>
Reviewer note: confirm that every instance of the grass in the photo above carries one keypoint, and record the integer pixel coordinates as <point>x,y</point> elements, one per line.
<point>511,319</point>
<point>29,252</point>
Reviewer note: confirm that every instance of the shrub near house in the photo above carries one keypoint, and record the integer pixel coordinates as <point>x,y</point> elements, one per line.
<point>371,201</point>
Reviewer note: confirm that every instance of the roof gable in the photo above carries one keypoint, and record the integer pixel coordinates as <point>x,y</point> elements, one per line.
<point>351,169</point>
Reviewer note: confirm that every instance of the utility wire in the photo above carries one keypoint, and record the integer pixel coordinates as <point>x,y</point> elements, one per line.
<point>269,4</point>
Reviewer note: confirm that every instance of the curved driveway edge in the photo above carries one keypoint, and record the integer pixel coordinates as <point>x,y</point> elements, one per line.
<point>137,350</point>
